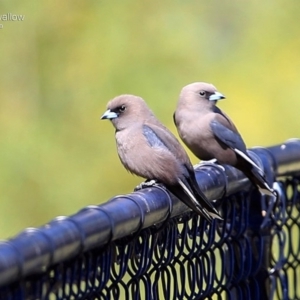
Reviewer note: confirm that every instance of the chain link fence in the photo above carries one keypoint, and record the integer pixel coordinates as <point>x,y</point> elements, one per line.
<point>148,245</point>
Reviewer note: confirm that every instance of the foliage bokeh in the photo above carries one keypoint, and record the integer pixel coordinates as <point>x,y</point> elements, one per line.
<point>61,65</point>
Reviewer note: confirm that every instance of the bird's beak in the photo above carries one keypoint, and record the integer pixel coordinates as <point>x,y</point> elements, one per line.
<point>216,96</point>
<point>109,115</point>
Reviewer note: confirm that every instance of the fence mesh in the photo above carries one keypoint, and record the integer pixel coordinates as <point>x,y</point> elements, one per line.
<point>248,255</point>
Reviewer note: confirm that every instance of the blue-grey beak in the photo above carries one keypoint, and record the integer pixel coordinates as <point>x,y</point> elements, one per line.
<point>109,115</point>
<point>216,96</point>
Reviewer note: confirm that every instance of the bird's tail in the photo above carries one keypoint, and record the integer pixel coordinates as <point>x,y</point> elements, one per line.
<point>254,173</point>
<point>195,199</point>
<point>206,204</point>
<point>257,177</point>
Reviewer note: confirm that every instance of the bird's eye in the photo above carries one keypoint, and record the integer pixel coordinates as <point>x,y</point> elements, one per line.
<point>202,93</point>
<point>122,108</point>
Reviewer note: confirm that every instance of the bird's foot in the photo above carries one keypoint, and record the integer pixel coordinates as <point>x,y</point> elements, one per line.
<point>145,184</point>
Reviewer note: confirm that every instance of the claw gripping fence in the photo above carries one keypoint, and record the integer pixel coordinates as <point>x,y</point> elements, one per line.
<point>148,245</point>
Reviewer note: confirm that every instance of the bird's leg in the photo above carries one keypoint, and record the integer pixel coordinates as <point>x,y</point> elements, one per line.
<point>212,162</point>
<point>147,183</point>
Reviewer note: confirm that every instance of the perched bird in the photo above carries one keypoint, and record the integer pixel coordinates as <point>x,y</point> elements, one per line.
<point>148,149</point>
<point>210,134</point>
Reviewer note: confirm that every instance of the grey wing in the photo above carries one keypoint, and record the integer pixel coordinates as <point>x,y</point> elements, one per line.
<point>167,140</point>
<point>232,140</point>
<point>162,138</point>
<point>153,139</point>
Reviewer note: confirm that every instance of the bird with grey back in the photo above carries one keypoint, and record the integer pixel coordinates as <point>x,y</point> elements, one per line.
<point>210,134</point>
<point>148,149</point>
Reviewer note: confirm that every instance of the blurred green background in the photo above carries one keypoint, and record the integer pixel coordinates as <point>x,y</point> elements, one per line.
<point>66,59</point>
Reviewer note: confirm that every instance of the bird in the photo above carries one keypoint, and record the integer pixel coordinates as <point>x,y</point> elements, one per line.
<point>148,149</point>
<point>211,135</point>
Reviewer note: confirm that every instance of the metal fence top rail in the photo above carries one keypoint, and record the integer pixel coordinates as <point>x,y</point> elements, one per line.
<point>36,249</point>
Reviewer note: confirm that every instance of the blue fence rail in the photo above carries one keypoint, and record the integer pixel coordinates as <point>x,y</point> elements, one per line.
<point>148,245</point>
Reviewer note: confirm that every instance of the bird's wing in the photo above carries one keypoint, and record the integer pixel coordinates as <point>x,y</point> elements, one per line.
<point>161,137</point>
<point>229,136</point>
<point>153,139</point>
<point>232,140</point>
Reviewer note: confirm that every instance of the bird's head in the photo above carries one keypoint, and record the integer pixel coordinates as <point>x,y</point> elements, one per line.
<point>126,110</point>
<point>200,94</point>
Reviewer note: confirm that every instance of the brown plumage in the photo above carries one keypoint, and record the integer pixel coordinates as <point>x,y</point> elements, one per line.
<point>148,149</point>
<point>210,134</point>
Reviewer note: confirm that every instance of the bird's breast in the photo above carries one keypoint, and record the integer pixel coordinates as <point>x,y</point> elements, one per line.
<point>140,158</point>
